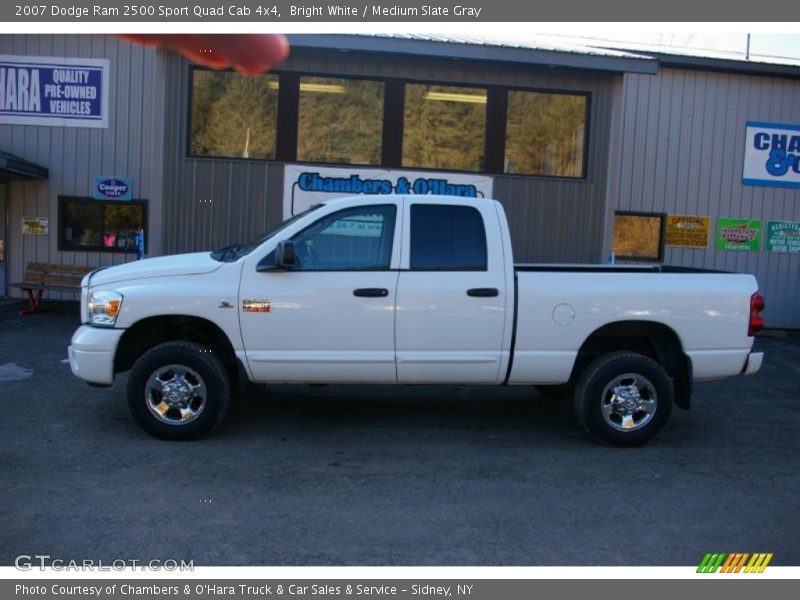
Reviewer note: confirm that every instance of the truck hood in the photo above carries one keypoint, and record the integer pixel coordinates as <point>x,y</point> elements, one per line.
<point>162,266</point>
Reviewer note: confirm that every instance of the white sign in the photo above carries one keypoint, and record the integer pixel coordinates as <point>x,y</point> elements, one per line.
<point>307,185</point>
<point>772,155</point>
<point>54,91</point>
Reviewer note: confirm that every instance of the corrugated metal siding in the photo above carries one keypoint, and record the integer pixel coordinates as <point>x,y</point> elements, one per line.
<point>211,202</point>
<point>551,219</point>
<point>562,220</point>
<point>131,146</point>
<point>682,151</point>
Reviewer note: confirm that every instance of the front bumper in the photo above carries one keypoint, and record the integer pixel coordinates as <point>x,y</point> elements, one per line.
<point>753,364</point>
<point>91,353</point>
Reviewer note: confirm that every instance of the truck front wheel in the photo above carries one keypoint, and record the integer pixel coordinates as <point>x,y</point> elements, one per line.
<point>178,391</point>
<point>624,398</point>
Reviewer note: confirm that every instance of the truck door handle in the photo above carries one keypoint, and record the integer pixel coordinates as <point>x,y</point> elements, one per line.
<point>483,292</point>
<point>371,292</point>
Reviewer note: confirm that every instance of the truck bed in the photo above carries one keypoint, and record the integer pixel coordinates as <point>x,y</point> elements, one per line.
<point>557,310</point>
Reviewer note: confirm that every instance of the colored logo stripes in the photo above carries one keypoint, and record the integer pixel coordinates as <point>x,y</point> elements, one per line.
<point>734,562</point>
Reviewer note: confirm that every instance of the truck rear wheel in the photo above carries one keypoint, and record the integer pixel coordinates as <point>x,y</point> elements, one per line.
<point>178,391</point>
<point>624,399</point>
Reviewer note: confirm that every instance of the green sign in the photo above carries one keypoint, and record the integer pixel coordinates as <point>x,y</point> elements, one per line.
<point>739,234</point>
<point>783,236</point>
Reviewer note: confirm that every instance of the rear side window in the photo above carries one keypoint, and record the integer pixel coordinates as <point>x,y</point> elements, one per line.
<point>447,238</point>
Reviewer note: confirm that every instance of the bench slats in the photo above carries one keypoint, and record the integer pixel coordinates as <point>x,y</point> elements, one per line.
<point>55,268</point>
<point>47,276</point>
<point>43,286</point>
<point>54,279</point>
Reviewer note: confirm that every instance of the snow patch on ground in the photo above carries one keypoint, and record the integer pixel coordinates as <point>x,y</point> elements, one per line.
<point>13,372</point>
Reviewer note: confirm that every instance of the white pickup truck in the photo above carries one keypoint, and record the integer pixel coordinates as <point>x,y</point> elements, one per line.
<point>409,290</point>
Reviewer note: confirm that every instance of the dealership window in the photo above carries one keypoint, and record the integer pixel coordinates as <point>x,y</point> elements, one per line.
<point>639,236</point>
<point>545,134</point>
<point>233,115</point>
<point>447,238</point>
<point>340,120</point>
<point>444,127</point>
<point>97,225</point>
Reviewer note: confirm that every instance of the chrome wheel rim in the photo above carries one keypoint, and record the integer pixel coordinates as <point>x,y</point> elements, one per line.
<point>175,394</point>
<point>629,402</point>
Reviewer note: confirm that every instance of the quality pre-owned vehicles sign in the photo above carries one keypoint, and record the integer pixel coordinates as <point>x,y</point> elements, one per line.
<point>772,155</point>
<point>306,185</point>
<point>54,91</point>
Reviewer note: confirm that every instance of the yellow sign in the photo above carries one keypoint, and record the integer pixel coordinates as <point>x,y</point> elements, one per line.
<point>35,225</point>
<point>688,231</point>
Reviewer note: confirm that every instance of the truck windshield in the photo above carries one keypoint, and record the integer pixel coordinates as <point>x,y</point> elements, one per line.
<point>235,251</point>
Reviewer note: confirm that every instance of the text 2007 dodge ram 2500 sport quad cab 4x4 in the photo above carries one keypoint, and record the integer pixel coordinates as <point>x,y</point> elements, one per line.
<point>409,289</point>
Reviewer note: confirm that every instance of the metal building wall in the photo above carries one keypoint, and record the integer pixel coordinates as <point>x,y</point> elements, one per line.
<point>682,151</point>
<point>130,146</point>
<point>211,203</point>
<point>551,219</point>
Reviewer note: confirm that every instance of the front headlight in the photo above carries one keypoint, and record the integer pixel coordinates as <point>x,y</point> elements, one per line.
<point>103,308</point>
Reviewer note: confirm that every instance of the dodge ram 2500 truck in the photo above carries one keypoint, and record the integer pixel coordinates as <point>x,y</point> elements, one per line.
<point>409,290</point>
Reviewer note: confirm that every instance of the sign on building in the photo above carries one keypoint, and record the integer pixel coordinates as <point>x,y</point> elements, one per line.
<point>35,225</point>
<point>688,231</point>
<point>112,188</point>
<point>739,234</point>
<point>772,155</point>
<point>55,91</point>
<point>783,236</point>
<point>306,185</point>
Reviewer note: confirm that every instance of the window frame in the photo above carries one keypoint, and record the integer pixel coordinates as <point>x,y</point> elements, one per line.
<point>296,122</point>
<point>63,199</point>
<point>392,127</point>
<point>662,236</point>
<point>190,100</point>
<point>402,119</point>
<point>586,130</point>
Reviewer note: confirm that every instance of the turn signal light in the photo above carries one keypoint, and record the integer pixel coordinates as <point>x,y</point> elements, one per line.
<point>112,308</point>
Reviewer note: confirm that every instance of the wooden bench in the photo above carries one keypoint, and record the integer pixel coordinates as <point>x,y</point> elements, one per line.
<point>41,277</point>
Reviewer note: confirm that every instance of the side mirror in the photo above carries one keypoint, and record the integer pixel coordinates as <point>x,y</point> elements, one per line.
<point>284,255</point>
<point>280,259</point>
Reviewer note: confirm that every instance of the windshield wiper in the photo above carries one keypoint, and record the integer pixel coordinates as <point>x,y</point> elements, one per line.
<point>227,254</point>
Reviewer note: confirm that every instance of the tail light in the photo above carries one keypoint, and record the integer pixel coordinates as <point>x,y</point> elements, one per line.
<point>756,321</point>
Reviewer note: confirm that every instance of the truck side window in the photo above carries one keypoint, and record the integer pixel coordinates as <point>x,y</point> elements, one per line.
<point>447,238</point>
<point>354,239</point>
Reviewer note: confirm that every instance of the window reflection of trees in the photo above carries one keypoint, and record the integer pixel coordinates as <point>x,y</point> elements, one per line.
<point>234,115</point>
<point>545,134</point>
<point>638,236</point>
<point>340,121</point>
<point>444,127</point>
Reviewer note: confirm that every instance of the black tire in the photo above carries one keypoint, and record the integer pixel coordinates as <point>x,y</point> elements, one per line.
<point>639,409</point>
<point>187,374</point>
<point>564,391</point>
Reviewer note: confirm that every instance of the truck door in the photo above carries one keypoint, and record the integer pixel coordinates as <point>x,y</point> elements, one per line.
<point>452,294</point>
<point>330,318</point>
